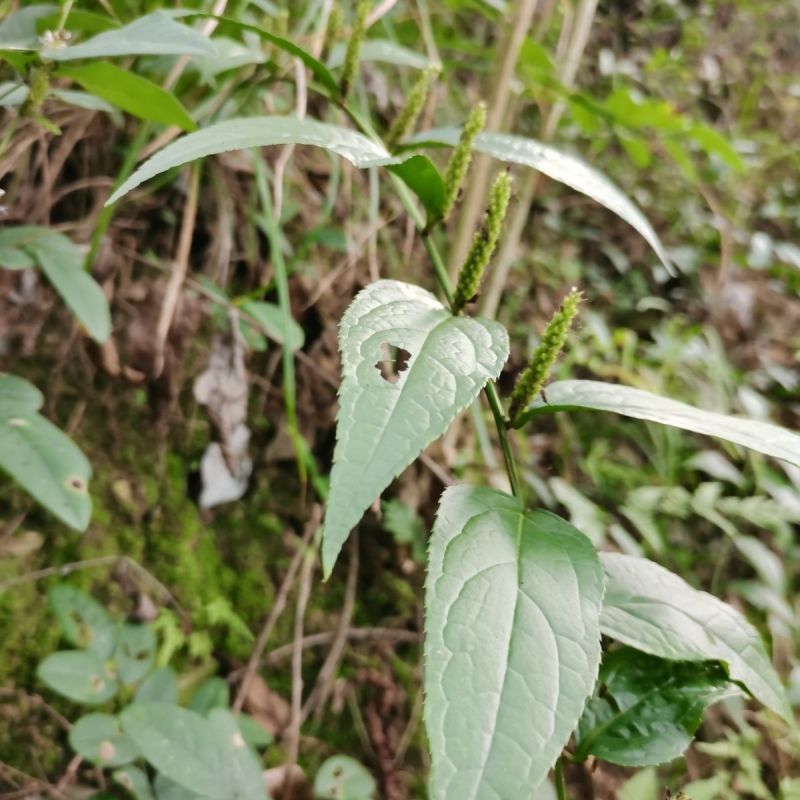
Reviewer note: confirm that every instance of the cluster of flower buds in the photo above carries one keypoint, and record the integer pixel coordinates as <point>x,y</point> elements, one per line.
<point>532,379</point>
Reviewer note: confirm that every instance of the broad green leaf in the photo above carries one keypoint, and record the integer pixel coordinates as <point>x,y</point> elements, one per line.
<point>383,50</point>
<point>652,609</point>
<point>646,710</point>
<point>421,176</point>
<point>566,168</point>
<point>241,134</point>
<point>763,437</point>
<point>16,395</point>
<point>383,426</point>
<point>48,465</point>
<point>512,643</point>
<point>84,622</point>
<point>135,653</point>
<point>130,92</point>
<point>160,686</point>
<point>167,789</point>
<point>214,693</point>
<point>79,675</point>
<point>61,260</point>
<point>270,319</point>
<point>155,34</point>
<point>343,778</point>
<point>135,781</point>
<point>206,756</point>
<point>100,740</point>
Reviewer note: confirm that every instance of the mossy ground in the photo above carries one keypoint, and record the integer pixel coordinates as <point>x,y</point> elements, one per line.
<point>143,509</point>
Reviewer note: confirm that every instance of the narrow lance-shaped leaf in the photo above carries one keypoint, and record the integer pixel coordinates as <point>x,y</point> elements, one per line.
<point>512,643</point>
<point>652,609</point>
<point>560,166</point>
<point>61,260</point>
<point>383,50</point>
<point>155,34</point>
<point>318,69</point>
<point>382,425</point>
<point>646,710</point>
<point>130,92</point>
<point>763,437</point>
<point>241,134</point>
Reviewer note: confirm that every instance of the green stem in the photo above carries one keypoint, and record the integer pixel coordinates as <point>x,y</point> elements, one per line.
<point>561,789</point>
<point>443,280</point>
<point>502,433</point>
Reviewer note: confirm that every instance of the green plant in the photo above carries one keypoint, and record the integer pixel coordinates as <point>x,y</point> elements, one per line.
<point>179,728</point>
<point>517,599</point>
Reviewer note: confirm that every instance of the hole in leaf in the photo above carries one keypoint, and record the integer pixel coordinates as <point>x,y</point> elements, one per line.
<point>394,361</point>
<point>337,772</point>
<point>76,483</point>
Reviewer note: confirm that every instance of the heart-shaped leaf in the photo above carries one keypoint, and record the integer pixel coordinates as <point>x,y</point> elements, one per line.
<point>512,643</point>
<point>84,622</point>
<point>646,710</point>
<point>763,437</point>
<point>343,778</point>
<point>206,756</point>
<point>79,675</point>
<point>652,609</point>
<point>100,740</point>
<point>384,423</point>
<point>135,653</point>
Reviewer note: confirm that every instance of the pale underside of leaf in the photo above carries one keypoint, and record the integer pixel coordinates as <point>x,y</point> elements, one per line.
<point>566,168</point>
<point>512,643</point>
<point>242,134</point>
<point>650,608</point>
<point>772,440</point>
<point>382,427</point>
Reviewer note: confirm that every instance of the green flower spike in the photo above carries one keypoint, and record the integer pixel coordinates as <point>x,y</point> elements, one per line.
<point>532,379</point>
<point>407,118</point>
<point>352,56</point>
<point>333,30</point>
<point>483,243</point>
<point>460,159</point>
